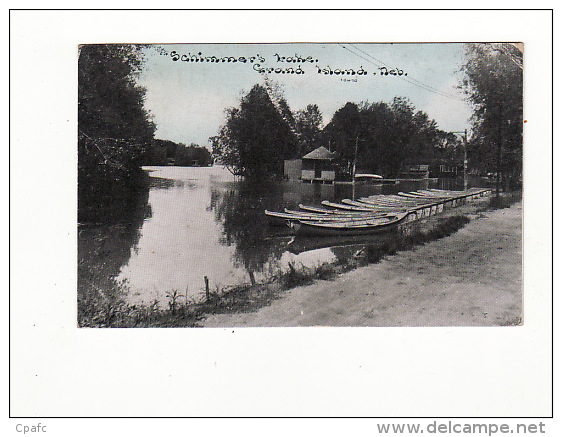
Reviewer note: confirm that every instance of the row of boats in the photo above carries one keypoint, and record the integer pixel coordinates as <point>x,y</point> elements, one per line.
<point>371,215</point>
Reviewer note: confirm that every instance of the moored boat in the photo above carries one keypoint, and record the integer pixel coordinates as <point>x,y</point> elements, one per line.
<point>345,207</point>
<point>372,214</point>
<point>284,218</point>
<point>339,215</point>
<point>317,209</point>
<point>375,206</point>
<point>350,227</point>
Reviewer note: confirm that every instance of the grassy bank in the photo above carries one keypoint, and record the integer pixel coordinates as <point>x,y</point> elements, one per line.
<point>244,298</point>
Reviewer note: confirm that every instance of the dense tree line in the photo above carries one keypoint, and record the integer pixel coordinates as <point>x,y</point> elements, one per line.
<point>383,137</point>
<point>494,84</point>
<point>259,134</point>
<point>165,152</point>
<point>114,129</point>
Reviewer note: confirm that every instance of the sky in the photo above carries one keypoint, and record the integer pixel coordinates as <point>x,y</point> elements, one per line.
<point>187,100</point>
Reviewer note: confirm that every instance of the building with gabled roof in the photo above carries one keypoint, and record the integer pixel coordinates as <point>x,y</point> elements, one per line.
<point>315,166</point>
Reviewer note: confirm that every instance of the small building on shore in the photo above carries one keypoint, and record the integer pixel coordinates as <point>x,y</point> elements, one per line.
<point>316,166</point>
<point>420,171</point>
<point>446,169</point>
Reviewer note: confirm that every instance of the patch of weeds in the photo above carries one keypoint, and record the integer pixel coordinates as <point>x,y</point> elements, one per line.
<point>295,277</point>
<point>374,253</point>
<point>326,271</point>
<point>173,303</point>
<point>505,200</point>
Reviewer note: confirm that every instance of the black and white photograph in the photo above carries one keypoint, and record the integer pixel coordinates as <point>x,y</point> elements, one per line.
<point>349,184</point>
<point>237,214</point>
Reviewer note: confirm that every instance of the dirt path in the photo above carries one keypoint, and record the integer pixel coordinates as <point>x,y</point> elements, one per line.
<point>472,278</point>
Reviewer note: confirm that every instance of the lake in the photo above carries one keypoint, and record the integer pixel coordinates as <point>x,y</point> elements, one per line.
<point>202,221</point>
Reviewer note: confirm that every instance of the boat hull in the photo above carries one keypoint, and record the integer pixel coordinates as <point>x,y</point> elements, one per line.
<point>329,230</point>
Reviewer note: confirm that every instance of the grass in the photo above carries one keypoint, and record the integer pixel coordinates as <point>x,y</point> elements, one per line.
<point>505,200</point>
<point>112,312</point>
<point>375,253</point>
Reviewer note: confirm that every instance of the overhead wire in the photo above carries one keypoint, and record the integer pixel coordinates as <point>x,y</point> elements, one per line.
<point>380,64</point>
<point>409,79</point>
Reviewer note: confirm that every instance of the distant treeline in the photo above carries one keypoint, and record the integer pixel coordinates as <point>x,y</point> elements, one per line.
<point>165,152</point>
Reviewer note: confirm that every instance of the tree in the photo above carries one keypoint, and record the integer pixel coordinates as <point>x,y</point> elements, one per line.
<point>113,128</point>
<point>382,136</point>
<point>494,84</point>
<point>110,103</point>
<point>377,147</point>
<point>256,137</point>
<point>342,134</point>
<point>308,124</point>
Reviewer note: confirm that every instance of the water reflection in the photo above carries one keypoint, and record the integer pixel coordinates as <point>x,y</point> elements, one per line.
<point>240,213</point>
<point>105,247</point>
<point>197,222</point>
<point>306,244</point>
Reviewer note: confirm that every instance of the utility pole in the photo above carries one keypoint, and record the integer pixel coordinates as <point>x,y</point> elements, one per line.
<point>354,167</point>
<point>355,157</point>
<point>465,164</point>
<point>465,161</point>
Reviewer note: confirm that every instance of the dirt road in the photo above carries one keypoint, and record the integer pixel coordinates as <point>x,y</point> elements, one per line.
<point>471,278</point>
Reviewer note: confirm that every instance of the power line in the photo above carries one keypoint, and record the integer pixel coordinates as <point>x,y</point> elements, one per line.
<point>356,54</point>
<point>413,81</point>
<point>378,63</point>
<point>383,64</point>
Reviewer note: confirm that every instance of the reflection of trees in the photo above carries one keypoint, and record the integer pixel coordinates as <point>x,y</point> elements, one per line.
<point>241,212</point>
<point>103,249</point>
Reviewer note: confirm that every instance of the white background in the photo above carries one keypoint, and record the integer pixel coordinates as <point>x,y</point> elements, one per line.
<point>60,370</point>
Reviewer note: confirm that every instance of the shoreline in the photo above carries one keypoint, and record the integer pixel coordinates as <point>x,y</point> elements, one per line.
<point>470,278</point>
<point>234,306</point>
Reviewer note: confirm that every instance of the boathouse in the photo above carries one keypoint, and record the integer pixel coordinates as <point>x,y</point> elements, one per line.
<point>420,171</point>
<point>318,166</point>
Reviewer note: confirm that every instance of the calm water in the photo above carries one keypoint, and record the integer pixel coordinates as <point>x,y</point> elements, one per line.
<point>202,222</point>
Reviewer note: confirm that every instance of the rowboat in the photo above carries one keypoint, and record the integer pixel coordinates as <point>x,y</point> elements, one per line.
<point>316,209</point>
<point>414,196</point>
<point>282,218</point>
<point>372,214</point>
<point>372,205</point>
<point>449,192</point>
<point>432,194</point>
<point>400,197</point>
<point>469,192</point>
<point>345,207</point>
<point>395,203</point>
<point>339,215</point>
<point>351,227</point>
